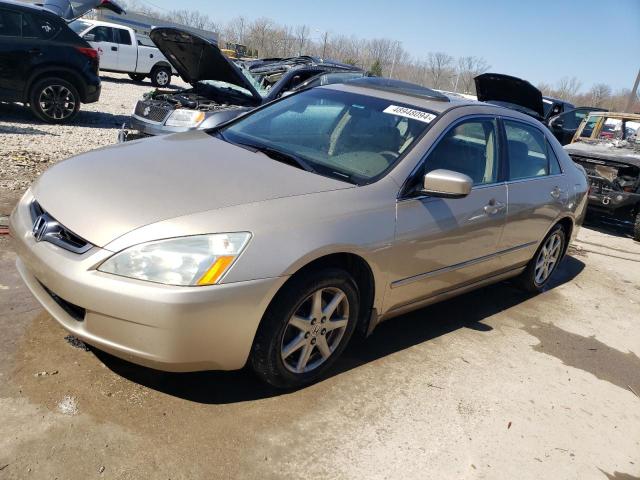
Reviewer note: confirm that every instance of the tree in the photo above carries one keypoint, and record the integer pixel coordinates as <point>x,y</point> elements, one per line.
<point>376,69</point>
<point>467,69</point>
<point>302,37</point>
<point>439,67</point>
<point>599,94</point>
<point>568,88</point>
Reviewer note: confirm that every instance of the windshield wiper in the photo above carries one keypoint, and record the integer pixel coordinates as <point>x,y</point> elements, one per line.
<point>284,157</point>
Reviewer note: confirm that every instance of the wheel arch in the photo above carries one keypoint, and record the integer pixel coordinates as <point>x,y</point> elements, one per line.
<point>568,225</point>
<point>54,71</point>
<point>357,267</point>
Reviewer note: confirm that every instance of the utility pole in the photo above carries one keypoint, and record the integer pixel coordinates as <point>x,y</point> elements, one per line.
<point>633,94</point>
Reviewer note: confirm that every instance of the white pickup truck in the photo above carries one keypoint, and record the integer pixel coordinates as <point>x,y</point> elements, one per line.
<point>121,50</point>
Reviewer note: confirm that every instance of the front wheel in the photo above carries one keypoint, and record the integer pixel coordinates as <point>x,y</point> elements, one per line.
<point>306,328</point>
<point>546,260</point>
<point>54,100</point>
<point>161,77</point>
<point>636,228</point>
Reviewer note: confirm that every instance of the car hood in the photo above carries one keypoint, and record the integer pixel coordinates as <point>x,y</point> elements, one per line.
<point>72,9</point>
<point>496,87</point>
<point>106,193</point>
<point>196,58</point>
<point>621,152</point>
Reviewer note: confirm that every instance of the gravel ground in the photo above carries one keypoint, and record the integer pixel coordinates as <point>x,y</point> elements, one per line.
<point>28,147</point>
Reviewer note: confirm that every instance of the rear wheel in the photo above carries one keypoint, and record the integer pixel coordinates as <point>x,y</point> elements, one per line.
<point>306,328</point>
<point>137,77</point>
<point>54,100</point>
<point>161,76</point>
<point>636,228</point>
<point>544,262</point>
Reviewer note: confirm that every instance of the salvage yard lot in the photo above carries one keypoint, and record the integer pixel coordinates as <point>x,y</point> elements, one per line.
<point>493,384</point>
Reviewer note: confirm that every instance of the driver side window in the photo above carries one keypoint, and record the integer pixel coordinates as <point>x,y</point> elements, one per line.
<point>470,148</point>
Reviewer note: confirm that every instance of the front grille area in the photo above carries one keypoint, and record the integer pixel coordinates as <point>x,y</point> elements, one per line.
<point>74,311</point>
<point>152,112</point>
<point>47,229</point>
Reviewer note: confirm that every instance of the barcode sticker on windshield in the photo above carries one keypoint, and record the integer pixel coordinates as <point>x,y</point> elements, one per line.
<point>410,113</point>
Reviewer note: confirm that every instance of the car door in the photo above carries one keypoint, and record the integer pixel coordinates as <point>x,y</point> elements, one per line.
<point>14,55</point>
<point>537,188</point>
<point>102,38</point>
<point>127,50</point>
<point>444,243</point>
<point>564,126</point>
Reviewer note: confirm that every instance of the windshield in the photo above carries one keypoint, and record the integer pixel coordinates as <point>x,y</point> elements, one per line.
<point>79,26</point>
<point>352,137</point>
<point>254,83</point>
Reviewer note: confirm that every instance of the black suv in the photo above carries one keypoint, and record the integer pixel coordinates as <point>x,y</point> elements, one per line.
<point>43,63</point>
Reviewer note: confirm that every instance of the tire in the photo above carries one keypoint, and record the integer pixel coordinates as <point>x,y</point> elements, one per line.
<point>269,358</point>
<point>54,100</point>
<point>161,77</point>
<point>530,280</point>
<point>137,77</point>
<point>636,228</point>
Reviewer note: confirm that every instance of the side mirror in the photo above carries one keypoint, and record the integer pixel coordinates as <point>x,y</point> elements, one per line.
<point>447,184</point>
<point>89,37</point>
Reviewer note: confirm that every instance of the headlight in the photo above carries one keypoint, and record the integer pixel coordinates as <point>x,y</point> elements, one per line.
<point>196,260</point>
<point>185,118</point>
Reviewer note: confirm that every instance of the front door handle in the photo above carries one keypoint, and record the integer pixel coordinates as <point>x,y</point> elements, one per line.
<point>35,51</point>
<point>114,49</point>
<point>494,207</point>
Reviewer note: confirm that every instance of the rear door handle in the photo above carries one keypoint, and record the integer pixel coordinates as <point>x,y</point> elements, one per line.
<point>114,49</point>
<point>494,207</point>
<point>35,51</point>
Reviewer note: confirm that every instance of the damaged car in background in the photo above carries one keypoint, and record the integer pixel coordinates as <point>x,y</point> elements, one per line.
<point>561,117</point>
<point>607,146</point>
<point>220,89</point>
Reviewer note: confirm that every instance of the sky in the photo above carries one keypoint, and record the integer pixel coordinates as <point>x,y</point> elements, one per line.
<point>541,41</point>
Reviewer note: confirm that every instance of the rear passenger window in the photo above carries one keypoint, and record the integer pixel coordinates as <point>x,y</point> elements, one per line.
<point>124,37</point>
<point>35,26</point>
<point>554,163</point>
<point>527,151</point>
<point>469,148</point>
<point>10,24</point>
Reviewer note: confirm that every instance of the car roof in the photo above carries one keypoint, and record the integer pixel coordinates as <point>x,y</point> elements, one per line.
<point>435,105</point>
<point>556,100</point>
<point>100,23</point>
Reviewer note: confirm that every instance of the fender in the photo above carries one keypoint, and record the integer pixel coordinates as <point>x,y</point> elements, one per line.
<point>42,71</point>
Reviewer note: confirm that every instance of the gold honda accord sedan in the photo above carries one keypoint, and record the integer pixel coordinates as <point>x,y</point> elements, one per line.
<point>274,238</point>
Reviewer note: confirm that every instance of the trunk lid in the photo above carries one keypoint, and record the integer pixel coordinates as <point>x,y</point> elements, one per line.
<point>496,87</point>
<point>72,9</point>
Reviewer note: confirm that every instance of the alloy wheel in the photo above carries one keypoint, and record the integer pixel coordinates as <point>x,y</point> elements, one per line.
<point>57,102</point>
<point>162,78</point>
<point>548,258</point>
<point>315,330</point>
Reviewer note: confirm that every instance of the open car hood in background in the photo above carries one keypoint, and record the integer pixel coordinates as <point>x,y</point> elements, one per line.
<point>196,58</point>
<point>73,9</point>
<point>496,87</point>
